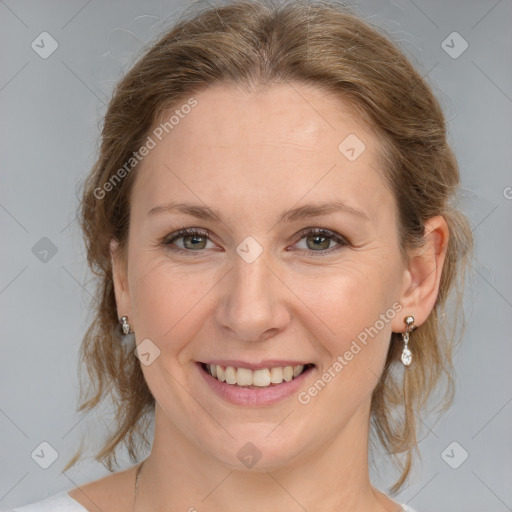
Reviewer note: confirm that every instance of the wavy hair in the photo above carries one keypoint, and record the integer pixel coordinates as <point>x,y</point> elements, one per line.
<point>255,44</point>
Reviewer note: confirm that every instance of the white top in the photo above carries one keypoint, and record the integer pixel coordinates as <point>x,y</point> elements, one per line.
<point>63,502</point>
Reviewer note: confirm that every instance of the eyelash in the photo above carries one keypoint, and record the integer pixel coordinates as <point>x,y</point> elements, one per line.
<point>341,241</point>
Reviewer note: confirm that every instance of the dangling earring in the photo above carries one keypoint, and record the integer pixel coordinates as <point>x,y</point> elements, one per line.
<point>406,356</point>
<point>125,326</point>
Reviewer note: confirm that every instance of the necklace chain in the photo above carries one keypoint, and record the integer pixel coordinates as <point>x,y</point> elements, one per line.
<point>136,490</point>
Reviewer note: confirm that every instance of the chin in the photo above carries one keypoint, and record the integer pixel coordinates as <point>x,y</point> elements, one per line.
<point>252,448</point>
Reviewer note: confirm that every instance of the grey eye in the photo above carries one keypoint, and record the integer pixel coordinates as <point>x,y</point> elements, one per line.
<point>318,242</point>
<point>194,242</point>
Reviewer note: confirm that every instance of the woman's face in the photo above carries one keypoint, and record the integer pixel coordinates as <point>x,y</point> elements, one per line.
<point>295,261</point>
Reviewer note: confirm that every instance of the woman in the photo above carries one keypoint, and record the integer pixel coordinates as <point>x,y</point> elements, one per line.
<point>270,220</point>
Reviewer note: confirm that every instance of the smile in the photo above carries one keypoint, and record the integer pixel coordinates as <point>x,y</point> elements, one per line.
<point>262,386</point>
<point>260,378</point>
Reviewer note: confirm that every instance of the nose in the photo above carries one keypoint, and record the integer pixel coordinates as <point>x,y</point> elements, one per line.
<point>253,305</point>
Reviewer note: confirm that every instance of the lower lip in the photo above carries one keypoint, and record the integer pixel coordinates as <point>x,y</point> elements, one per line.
<point>264,396</point>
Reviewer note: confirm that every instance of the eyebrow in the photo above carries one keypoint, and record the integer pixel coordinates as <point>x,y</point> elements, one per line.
<point>306,211</point>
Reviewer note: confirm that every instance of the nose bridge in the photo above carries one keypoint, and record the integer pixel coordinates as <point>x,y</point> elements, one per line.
<point>251,304</point>
<point>251,280</point>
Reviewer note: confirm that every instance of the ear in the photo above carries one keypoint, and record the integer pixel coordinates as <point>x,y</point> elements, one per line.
<point>119,274</point>
<point>422,275</point>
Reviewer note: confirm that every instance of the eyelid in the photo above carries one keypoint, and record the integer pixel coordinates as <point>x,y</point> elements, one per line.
<point>184,232</point>
<point>188,232</point>
<point>312,231</point>
<point>309,231</point>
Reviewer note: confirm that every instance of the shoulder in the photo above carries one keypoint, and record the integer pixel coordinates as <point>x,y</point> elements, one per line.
<point>112,493</point>
<point>58,503</point>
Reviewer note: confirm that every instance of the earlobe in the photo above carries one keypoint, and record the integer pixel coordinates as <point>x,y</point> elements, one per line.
<point>422,276</point>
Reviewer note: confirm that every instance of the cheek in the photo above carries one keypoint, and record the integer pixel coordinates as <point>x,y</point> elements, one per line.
<point>335,306</point>
<point>355,305</point>
<point>356,314</point>
<point>167,302</point>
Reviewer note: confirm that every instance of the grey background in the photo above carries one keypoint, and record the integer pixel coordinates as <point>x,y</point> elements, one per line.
<point>50,111</point>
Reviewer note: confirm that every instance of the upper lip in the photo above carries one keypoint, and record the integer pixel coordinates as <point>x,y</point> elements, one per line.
<point>274,363</point>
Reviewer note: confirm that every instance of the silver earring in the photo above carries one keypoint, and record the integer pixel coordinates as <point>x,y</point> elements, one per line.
<point>406,356</point>
<point>125,325</point>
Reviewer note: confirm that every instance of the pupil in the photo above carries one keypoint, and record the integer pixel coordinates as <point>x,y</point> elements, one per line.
<point>319,242</point>
<point>194,242</point>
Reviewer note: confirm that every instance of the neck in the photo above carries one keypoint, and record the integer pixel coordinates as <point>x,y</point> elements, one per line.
<point>178,475</point>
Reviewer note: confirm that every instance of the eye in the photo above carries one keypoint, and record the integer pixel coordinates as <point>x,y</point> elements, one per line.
<point>320,240</point>
<point>312,240</point>
<point>190,239</point>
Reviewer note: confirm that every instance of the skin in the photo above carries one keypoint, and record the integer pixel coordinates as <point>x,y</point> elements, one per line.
<point>251,156</point>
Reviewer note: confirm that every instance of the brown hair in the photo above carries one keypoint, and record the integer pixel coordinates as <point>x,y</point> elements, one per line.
<point>257,44</point>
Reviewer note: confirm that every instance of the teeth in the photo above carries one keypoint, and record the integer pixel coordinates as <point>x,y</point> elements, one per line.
<point>262,378</point>
<point>276,375</point>
<point>297,370</point>
<point>243,377</point>
<point>230,375</point>
<point>288,373</point>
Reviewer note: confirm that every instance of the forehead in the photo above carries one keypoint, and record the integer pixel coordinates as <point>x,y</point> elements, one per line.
<point>271,146</point>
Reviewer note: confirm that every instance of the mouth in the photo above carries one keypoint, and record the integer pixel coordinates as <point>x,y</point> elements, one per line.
<point>260,378</point>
